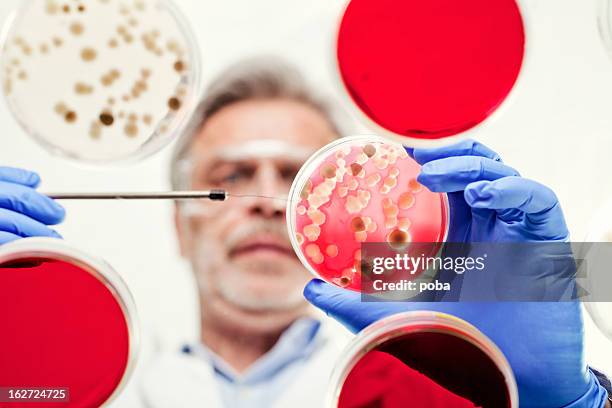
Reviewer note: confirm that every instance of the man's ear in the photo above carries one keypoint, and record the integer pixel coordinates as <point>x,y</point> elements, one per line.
<point>181,231</point>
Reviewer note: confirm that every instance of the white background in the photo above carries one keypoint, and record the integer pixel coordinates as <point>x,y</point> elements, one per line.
<point>557,128</point>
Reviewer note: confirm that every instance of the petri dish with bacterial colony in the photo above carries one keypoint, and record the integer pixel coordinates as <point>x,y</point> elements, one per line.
<point>100,81</point>
<point>424,72</point>
<point>356,190</point>
<point>422,359</point>
<point>68,325</point>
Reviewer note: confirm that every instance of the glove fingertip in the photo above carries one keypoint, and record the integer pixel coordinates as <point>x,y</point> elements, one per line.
<point>60,213</point>
<point>471,196</point>
<point>33,179</point>
<point>431,182</point>
<point>19,176</point>
<point>312,290</point>
<point>54,213</point>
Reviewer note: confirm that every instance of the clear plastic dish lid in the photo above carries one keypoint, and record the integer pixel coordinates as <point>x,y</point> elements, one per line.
<point>356,190</point>
<point>100,81</point>
<point>422,72</point>
<point>68,325</point>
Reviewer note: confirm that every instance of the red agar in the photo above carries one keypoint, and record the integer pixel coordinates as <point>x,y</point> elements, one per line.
<point>429,69</point>
<point>364,193</point>
<point>62,328</point>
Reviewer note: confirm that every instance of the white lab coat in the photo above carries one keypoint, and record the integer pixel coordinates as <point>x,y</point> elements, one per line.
<point>176,380</point>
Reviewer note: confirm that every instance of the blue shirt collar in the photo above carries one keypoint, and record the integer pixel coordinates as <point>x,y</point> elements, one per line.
<point>297,342</point>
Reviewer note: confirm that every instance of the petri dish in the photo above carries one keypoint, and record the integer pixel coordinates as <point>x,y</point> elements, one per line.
<point>596,255</point>
<point>422,359</point>
<point>100,81</point>
<point>355,190</point>
<point>604,22</point>
<point>424,72</point>
<point>68,322</point>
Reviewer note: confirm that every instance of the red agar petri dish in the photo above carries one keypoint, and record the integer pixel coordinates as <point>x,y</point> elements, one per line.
<point>425,70</point>
<point>356,190</point>
<point>67,323</point>
<point>421,360</point>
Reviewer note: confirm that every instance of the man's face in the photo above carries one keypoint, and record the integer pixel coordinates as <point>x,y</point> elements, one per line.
<point>240,249</point>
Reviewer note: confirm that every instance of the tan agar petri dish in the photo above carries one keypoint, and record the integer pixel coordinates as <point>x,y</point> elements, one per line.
<point>354,191</point>
<point>100,81</point>
<point>69,324</point>
<point>422,359</point>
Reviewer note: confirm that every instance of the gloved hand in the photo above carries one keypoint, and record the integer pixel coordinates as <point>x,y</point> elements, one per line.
<point>23,211</point>
<point>490,202</point>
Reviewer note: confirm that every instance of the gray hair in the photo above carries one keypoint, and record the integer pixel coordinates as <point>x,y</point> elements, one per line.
<point>259,78</point>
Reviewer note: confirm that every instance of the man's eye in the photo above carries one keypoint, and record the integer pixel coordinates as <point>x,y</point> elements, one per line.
<point>289,173</point>
<point>233,177</point>
<point>236,176</point>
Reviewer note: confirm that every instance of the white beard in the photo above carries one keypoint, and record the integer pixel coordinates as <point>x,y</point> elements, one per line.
<point>231,282</point>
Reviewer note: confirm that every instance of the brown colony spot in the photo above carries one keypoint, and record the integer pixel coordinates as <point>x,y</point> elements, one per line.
<point>357,224</point>
<point>369,150</point>
<point>398,237</point>
<point>345,281</point>
<point>328,171</point>
<point>60,108</point>
<point>306,190</point>
<point>83,89</point>
<point>76,28</point>
<point>107,118</point>
<point>70,117</point>
<point>81,8</point>
<point>174,103</point>
<point>88,54</point>
<point>356,168</point>
<point>66,8</point>
<point>131,129</point>
<point>179,66</point>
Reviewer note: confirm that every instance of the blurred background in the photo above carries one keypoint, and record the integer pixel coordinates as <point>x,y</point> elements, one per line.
<point>556,128</point>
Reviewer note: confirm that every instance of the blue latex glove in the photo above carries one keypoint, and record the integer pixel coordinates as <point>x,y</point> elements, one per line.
<point>23,211</point>
<point>490,202</point>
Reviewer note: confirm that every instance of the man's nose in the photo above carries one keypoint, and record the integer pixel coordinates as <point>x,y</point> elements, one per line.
<point>271,192</point>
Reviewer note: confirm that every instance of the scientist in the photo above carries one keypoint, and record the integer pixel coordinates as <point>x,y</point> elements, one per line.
<point>260,344</point>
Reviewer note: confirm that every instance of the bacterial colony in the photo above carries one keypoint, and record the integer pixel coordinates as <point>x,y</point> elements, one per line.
<point>116,74</point>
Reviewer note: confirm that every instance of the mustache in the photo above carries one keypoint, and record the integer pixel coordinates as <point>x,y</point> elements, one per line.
<point>259,227</point>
